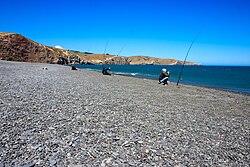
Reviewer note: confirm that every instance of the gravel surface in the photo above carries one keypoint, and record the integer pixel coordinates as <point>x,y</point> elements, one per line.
<point>60,117</point>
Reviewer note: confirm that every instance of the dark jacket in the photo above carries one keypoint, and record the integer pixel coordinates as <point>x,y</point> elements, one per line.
<point>105,71</point>
<point>73,68</point>
<point>163,75</point>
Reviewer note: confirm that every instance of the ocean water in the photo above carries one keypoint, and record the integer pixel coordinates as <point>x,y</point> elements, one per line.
<point>233,78</point>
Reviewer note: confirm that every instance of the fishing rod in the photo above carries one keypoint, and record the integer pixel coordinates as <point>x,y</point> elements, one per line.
<point>186,58</point>
<point>104,53</point>
<point>121,50</point>
<point>89,48</point>
<point>105,47</point>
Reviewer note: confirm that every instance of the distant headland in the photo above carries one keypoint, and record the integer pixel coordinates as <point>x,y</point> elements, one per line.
<point>16,47</point>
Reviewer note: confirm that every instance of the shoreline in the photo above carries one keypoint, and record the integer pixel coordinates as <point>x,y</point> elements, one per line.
<point>61,117</point>
<point>196,85</point>
<point>173,83</point>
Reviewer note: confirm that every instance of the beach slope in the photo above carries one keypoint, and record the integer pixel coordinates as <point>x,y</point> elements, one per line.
<point>60,117</point>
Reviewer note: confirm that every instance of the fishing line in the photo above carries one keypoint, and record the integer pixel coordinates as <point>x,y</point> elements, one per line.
<point>186,57</point>
<point>105,47</point>
<point>121,50</point>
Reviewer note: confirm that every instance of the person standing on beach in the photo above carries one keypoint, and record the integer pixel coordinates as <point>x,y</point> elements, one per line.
<point>163,78</point>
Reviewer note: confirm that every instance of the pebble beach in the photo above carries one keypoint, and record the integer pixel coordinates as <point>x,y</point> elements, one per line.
<point>60,117</point>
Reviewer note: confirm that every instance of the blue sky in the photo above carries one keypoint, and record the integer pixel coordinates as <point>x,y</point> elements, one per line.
<point>158,28</point>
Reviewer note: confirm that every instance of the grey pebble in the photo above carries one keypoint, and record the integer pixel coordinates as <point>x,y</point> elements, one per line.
<point>82,118</point>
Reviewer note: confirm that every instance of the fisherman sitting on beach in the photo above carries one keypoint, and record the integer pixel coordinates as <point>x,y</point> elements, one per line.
<point>73,68</point>
<point>105,71</point>
<point>163,78</point>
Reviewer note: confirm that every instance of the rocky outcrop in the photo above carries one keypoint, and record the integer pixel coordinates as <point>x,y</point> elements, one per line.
<point>18,48</point>
<point>117,60</point>
<point>156,61</point>
<point>145,60</point>
<point>149,60</point>
<point>15,47</point>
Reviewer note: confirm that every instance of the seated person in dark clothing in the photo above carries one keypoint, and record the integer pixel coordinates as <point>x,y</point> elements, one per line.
<point>73,68</point>
<point>163,78</point>
<point>105,71</point>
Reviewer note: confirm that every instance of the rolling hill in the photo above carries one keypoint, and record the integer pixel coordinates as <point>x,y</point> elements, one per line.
<point>15,47</point>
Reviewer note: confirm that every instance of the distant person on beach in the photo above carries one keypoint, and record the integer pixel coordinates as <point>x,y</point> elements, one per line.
<point>105,71</point>
<point>73,68</point>
<point>163,78</point>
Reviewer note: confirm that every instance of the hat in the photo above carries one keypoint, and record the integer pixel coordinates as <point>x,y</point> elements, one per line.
<point>164,70</point>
